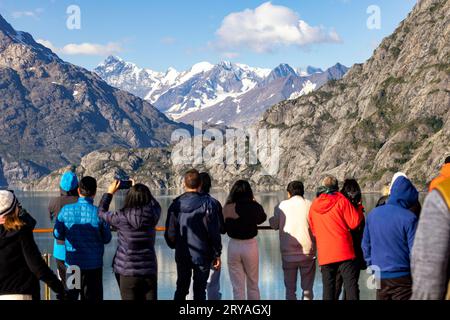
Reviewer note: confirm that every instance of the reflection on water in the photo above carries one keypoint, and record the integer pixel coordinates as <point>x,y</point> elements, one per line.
<point>271,273</point>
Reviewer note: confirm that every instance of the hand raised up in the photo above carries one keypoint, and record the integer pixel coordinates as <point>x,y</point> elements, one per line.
<point>112,189</point>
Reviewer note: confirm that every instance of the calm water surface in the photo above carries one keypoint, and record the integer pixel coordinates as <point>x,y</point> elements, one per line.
<point>271,273</point>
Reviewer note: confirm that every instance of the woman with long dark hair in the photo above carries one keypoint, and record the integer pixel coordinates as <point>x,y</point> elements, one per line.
<point>352,191</point>
<point>242,216</point>
<point>135,261</point>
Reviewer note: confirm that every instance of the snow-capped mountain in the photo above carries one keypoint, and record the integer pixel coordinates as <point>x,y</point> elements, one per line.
<point>178,93</point>
<point>212,85</point>
<point>227,93</point>
<point>245,109</point>
<point>138,81</point>
<point>282,71</point>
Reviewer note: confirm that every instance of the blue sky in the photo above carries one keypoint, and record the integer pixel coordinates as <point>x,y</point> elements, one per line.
<point>180,33</point>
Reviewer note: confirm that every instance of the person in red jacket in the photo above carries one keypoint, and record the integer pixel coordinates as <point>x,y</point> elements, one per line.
<point>331,219</point>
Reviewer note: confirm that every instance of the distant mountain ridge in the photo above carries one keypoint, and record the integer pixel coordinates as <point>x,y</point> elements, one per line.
<point>52,112</point>
<point>216,94</point>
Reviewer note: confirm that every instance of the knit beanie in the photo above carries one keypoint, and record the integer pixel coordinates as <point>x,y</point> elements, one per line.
<point>8,202</point>
<point>69,181</point>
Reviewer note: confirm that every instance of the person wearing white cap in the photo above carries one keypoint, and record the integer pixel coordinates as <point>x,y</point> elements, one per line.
<point>21,265</point>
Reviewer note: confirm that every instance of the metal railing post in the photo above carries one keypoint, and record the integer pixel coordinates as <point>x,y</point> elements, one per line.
<point>47,293</point>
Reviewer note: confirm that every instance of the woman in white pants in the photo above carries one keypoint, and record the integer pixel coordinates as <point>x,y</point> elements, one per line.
<point>242,216</point>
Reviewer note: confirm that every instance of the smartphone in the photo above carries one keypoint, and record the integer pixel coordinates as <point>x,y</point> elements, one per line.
<point>125,184</point>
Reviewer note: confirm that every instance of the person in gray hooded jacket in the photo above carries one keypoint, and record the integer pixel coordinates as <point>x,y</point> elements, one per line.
<point>430,261</point>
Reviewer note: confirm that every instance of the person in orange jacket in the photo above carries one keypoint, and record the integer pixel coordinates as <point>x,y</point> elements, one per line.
<point>445,174</point>
<point>331,218</point>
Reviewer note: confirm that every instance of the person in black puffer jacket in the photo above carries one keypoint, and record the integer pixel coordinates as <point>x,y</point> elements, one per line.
<point>21,265</point>
<point>135,261</point>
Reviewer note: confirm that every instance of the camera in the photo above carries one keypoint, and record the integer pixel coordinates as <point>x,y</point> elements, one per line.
<point>125,182</point>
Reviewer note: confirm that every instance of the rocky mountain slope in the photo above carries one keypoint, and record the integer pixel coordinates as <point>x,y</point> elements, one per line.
<point>52,113</point>
<point>226,93</point>
<point>151,166</point>
<point>390,113</point>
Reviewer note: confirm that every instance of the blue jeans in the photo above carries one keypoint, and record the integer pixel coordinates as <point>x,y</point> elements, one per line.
<point>214,286</point>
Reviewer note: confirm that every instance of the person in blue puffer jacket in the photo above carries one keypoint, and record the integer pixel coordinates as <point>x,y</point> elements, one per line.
<point>388,240</point>
<point>135,263</point>
<point>84,235</point>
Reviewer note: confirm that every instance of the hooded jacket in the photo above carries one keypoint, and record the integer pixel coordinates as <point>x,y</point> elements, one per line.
<point>331,218</point>
<point>431,252</point>
<point>390,230</point>
<point>135,255</point>
<point>21,263</point>
<point>193,229</point>
<point>54,207</point>
<point>218,205</point>
<point>445,174</point>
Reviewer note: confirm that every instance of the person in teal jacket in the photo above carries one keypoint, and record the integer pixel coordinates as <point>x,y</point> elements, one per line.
<point>69,194</point>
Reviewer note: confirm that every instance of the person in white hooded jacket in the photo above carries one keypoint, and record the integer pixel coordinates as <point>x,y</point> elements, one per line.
<point>298,248</point>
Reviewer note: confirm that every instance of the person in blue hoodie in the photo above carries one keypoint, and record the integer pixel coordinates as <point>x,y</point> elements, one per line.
<point>388,240</point>
<point>69,195</point>
<point>193,230</point>
<point>85,235</point>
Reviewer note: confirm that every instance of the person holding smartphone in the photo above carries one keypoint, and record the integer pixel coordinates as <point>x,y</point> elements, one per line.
<point>135,263</point>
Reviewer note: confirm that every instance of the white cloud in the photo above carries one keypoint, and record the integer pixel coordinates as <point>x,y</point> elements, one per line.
<point>27,13</point>
<point>267,28</point>
<point>168,40</point>
<point>91,49</point>
<point>87,49</point>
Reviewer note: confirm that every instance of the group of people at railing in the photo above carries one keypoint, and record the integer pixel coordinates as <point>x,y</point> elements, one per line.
<point>406,246</point>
